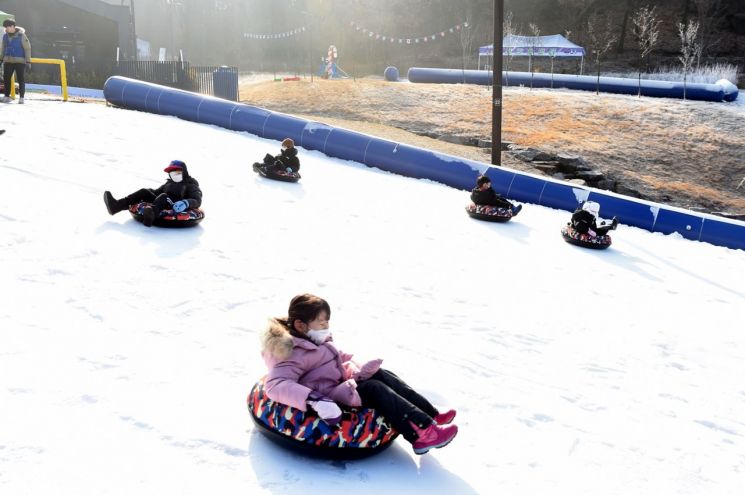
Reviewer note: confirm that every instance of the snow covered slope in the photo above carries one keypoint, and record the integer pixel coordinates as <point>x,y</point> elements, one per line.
<point>126,353</point>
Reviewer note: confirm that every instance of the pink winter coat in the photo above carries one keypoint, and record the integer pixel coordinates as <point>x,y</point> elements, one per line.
<point>298,366</point>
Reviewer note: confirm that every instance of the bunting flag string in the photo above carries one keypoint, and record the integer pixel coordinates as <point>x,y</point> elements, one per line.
<point>406,39</point>
<point>275,36</point>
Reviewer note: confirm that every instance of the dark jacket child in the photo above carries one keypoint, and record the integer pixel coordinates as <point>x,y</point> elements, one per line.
<point>484,195</point>
<point>15,54</point>
<point>180,193</point>
<point>307,370</point>
<point>286,161</point>
<point>584,220</point>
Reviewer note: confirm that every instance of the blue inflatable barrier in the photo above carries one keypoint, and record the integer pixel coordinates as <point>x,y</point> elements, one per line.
<point>391,74</point>
<point>721,91</point>
<point>416,162</point>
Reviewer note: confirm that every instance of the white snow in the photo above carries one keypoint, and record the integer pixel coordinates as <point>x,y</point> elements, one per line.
<point>126,353</point>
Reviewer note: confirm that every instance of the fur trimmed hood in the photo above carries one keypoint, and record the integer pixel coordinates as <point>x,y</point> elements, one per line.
<point>276,340</point>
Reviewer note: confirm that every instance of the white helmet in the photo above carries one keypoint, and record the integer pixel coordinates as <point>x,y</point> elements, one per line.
<point>592,207</point>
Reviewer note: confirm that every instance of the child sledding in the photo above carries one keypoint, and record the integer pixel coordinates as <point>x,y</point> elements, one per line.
<point>318,391</point>
<point>284,167</point>
<point>488,205</point>
<point>174,204</point>
<point>583,228</point>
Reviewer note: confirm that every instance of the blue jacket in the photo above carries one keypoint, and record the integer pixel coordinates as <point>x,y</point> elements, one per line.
<point>15,48</point>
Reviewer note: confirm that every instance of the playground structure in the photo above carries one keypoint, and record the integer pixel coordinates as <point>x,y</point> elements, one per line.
<point>62,71</point>
<point>330,67</point>
<point>411,161</point>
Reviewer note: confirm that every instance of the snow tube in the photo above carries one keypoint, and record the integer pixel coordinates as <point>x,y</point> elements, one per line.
<point>276,174</point>
<point>361,433</point>
<point>489,213</point>
<point>169,218</point>
<point>573,237</point>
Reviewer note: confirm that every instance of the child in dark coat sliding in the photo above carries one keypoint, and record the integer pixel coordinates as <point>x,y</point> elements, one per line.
<point>306,370</point>
<point>484,195</point>
<point>286,161</point>
<point>585,217</point>
<point>180,193</point>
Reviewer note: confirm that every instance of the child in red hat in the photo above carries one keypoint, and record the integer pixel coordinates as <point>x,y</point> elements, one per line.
<point>180,193</point>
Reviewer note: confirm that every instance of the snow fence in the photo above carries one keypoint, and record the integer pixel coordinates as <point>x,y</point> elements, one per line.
<point>662,89</point>
<point>416,162</point>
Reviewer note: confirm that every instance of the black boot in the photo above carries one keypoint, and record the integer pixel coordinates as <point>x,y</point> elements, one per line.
<point>148,216</point>
<point>114,205</point>
<point>257,166</point>
<point>614,223</point>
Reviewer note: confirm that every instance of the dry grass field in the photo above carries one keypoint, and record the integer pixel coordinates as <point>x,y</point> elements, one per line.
<point>690,154</point>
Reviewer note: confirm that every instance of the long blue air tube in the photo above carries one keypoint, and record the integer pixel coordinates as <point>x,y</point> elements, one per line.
<point>618,85</point>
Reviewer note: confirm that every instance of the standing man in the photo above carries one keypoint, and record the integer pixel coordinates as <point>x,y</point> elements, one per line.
<point>15,53</point>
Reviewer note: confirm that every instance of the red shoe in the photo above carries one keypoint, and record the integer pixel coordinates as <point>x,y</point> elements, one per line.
<point>445,418</point>
<point>433,437</point>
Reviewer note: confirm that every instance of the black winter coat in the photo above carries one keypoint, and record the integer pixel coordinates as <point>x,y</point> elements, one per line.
<point>187,190</point>
<point>489,197</point>
<point>583,220</point>
<point>288,158</point>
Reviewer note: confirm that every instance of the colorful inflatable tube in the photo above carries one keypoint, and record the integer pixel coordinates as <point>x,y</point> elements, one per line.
<point>361,433</point>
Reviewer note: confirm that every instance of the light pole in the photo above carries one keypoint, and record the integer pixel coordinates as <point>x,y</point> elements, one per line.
<point>496,109</point>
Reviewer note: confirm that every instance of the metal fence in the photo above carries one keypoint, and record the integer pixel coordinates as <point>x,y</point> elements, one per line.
<point>209,80</point>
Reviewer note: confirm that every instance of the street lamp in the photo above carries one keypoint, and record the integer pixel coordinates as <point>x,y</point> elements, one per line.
<point>496,110</point>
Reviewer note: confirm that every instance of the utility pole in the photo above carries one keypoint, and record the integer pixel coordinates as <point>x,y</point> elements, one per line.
<point>496,109</point>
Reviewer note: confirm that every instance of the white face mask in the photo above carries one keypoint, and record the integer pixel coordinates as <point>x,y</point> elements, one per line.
<point>284,148</point>
<point>176,176</point>
<point>318,336</point>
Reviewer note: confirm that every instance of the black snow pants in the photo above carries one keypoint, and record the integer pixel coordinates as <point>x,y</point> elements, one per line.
<point>399,403</point>
<point>160,202</point>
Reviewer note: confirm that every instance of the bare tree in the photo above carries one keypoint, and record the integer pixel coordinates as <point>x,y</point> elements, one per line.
<point>627,12</point>
<point>509,29</point>
<point>689,48</point>
<point>601,38</point>
<point>646,32</point>
<point>467,35</point>
<point>709,14</point>
<point>534,43</point>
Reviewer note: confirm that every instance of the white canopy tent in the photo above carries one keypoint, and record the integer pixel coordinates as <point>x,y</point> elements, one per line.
<point>551,46</point>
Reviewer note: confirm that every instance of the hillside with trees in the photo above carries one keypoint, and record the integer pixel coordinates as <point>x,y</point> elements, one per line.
<point>292,35</point>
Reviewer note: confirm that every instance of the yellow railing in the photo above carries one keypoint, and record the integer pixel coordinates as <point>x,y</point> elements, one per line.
<point>53,61</point>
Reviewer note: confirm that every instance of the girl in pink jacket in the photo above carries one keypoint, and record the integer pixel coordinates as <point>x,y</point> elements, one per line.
<point>306,369</point>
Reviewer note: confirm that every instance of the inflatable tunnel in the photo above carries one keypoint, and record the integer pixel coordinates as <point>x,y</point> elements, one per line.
<point>721,91</point>
<point>416,162</point>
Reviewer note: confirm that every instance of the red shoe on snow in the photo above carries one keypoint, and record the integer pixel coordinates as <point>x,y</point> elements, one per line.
<point>445,418</point>
<point>433,437</point>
